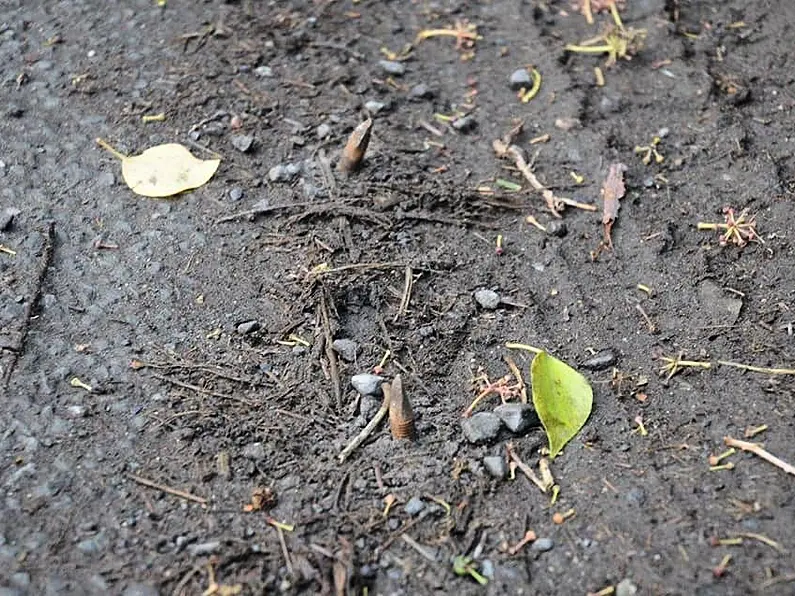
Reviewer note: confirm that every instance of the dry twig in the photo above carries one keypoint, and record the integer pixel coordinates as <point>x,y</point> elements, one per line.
<point>758,450</point>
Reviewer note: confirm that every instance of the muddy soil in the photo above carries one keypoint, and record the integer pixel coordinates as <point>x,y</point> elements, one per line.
<point>167,362</point>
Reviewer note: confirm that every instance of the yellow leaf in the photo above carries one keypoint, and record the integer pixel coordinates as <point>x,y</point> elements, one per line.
<point>164,170</point>
<point>562,398</point>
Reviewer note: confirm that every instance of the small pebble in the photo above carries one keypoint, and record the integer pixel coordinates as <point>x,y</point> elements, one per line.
<point>254,451</point>
<point>602,360</point>
<point>263,71</point>
<point>543,545</point>
<point>483,427</point>
<point>421,91</point>
<point>392,67</point>
<point>567,123</point>
<point>242,142</point>
<point>248,327</point>
<point>236,193</point>
<point>487,568</point>
<point>626,588</point>
<point>557,228</point>
<point>520,78</point>
<point>635,496</point>
<point>464,124</point>
<point>374,106</point>
<point>205,548</point>
<point>346,348</point>
<point>367,384</point>
<point>496,466</point>
<point>7,218</point>
<point>488,299</point>
<point>283,172</point>
<point>518,417</point>
<point>414,506</point>
<point>140,590</point>
<point>323,131</point>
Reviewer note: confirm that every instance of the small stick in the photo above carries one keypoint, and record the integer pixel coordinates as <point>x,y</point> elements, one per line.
<point>331,355</point>
<point>167,489</point>
<point>408,285</point>
<point>649,323</point>
<point>518,375</point>
<point>285,552</point>
<point>368,430</point>
<point>760,369</point>
<point>757,449</point>
<point>527,470</point>
<point>198,389</point>
<point>503,149</point>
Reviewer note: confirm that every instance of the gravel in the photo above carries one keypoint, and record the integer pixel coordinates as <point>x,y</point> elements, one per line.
<point>488,299</point>
<point>367,384</point>
<point>254,451</point>
<point>496,466</point>
<point>346,348</point>
<point>140,590</point>
<point>284,172</point>
<point>602,360</point>
<point>391,67</point>
<point>517,417</point>
<point>520,78</point>
<point>248,327</point>
<point>242,143</point>
<point>481,428</point>
<point>204,548</point>
<point>543,545</point>
<point>414,506</point>
<point>626,588</point>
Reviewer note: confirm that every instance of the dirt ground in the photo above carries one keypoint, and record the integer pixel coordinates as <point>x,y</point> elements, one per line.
<point>203,324</point>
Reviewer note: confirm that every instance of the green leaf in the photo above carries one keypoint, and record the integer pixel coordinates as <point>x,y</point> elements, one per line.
<point>562,398</point>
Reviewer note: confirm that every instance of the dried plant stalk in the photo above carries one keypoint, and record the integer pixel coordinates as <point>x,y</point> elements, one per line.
<point>356,147</point>
<point>401,416</point>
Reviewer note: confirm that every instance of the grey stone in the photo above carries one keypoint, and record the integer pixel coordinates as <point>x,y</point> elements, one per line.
<point>392,67</point>
<point>716,306</point>
<point>236,193</point>
<point>602,360</point>
<point>323,131</point>
<point>205,548</point>
<point>635,496</point>
<point>464,124</point>
<point>242,143</point>
<point>543,545</point>
<point>626,588</point>
<point>496,466</point>
<point>520,78</point>
<point>255,451</point>
<point>247,327</point>
<point>487,568</point>
<point>414,506</point>
<point>488,299</point>
<point>557,228</point>
<point>263,71</point>
<point>283,172</point>
<point>482,427</point>
<point>92,546</point>
<point>7,218</point>
<point>106,179</point>
<point>420,91</point>
<point>4,591</point>
<point>138,589</point>
<point>367,384</point>
<point>517,417</point>
<point>373,106</point>
<point>346,348</point>
<point>21,579</point>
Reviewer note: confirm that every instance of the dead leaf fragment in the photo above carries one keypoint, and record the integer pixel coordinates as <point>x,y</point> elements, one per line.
<point>613,191</point>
